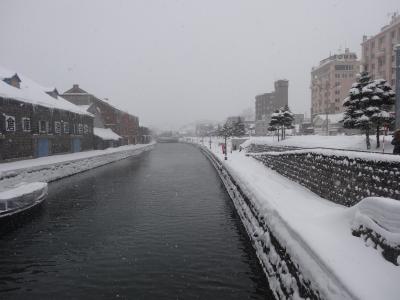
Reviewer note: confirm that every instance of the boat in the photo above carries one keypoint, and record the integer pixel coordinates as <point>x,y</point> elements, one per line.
<point>22,198</point>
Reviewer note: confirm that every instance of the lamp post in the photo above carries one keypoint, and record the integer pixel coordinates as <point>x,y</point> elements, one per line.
<point>226,149</point>
<point>397,105</point>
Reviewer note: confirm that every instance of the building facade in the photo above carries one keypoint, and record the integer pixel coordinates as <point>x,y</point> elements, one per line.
<point>378,56</point>
<point>35,124</point>
<point>267,103</point>
<point>331,82</point>
<point>105,114</point>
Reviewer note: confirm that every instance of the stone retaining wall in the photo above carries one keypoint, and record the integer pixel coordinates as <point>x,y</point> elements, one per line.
<point>336,176</point>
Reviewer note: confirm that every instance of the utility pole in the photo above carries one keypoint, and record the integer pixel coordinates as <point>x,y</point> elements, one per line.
<point>397,105</point>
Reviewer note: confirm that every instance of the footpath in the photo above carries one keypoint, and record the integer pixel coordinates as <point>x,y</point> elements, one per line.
<point>50,168</point>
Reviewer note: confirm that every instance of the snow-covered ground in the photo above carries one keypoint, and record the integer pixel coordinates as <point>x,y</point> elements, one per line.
<point>50,168</point>
<point>317,233</point>
<point>348,142</point>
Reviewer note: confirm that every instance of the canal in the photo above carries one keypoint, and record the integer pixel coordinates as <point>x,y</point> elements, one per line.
<point>158,226</point>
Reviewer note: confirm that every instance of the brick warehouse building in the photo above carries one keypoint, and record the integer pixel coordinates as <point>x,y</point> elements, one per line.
<point>35,121</point>
<point>105,114</point>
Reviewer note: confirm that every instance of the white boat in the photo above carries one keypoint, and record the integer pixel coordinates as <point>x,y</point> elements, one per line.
<point>22,198</point>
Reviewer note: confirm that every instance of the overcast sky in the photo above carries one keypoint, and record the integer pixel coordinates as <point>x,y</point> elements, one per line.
<point>174,62</point>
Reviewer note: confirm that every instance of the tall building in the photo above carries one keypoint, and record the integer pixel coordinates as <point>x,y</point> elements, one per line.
<point>378,57</point>
<point>267,103</point>
<point>331,82</point>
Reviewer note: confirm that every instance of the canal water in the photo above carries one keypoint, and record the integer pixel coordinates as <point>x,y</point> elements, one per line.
<point>158,226</point>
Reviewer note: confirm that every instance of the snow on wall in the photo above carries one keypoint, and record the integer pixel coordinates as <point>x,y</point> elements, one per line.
<point>343,177</point>
<point>47,169</point>
<point>377,221</point>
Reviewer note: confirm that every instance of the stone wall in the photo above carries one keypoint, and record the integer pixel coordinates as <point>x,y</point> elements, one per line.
<point>336,176</point>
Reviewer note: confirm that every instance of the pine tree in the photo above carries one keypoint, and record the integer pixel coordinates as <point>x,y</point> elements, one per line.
<point>355,104</point>
<point>276,120</point>
<point>281,120</point>
<point>382,98</point>
<point>368,105</point>
<point>239,128</point>
<point>287,119</point>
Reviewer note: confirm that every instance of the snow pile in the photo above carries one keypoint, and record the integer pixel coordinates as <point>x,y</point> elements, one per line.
<point>106,134</point>
<point>50,168</point>
<point>32,92</point>
<point>377,220</point>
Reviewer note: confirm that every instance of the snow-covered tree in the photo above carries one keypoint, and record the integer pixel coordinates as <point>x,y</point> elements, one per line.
<point>281,120</point>
<point>368,106</point>
<point>276,121</point>
<point>238,128</point>
<point>382,99</point>
<point>287,119</point>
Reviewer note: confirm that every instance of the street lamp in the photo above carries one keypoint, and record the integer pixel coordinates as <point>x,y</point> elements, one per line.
<point>226,149</point>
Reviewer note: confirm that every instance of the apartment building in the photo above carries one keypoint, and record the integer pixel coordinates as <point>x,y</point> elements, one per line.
<point>378,56</point>
<point>331,81</point>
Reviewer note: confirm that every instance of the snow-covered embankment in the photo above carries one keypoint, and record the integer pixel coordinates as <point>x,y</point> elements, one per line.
<point>47,169</point>
<point>305,243</point>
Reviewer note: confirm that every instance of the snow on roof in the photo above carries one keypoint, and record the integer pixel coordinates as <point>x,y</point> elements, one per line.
<point>32,92</point>
<point>81,92</point>
<point>85,107</point>
<point>106,134</point>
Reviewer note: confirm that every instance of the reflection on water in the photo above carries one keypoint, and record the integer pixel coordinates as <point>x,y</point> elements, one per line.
<point>155,227</point>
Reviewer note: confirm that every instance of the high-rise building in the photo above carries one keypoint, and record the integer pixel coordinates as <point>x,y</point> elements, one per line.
<point>378,57</point>
<point>267,103</point>
<point>331,82</point>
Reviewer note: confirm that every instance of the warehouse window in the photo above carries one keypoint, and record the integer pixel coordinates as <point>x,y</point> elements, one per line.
<point>26,124</point>
<point>10,123</point>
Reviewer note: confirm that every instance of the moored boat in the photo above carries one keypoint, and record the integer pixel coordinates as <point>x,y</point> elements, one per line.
<point>22,198</point>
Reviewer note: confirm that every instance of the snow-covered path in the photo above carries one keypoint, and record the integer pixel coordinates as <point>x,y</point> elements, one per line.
<point>50,168</point>
<point>316,232</point>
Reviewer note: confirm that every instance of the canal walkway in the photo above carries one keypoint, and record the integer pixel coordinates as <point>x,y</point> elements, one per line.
<point>315,232</point>
<point>155,226</point>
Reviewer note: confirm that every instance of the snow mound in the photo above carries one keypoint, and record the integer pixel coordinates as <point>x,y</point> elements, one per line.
<point>377,221</point>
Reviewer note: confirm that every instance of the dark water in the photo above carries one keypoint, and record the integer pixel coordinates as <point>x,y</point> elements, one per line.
<point>159,226</point>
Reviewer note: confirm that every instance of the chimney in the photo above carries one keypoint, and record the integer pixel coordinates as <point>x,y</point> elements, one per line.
<point>75,86</point>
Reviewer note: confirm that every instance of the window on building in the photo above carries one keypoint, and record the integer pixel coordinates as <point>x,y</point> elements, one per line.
<point>26,124</point>
<point>10,123</point>
<point>57,127</point>
<point>43,128</point>
<point>80,128</point>
<point>66,127</point>
<point>85,129</point>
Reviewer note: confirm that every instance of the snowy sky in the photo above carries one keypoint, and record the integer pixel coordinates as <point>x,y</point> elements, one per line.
<point>174,62</point>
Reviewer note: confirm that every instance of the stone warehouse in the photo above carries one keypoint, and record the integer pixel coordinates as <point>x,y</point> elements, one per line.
<point>35,121</point>
<point>105,114</point>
